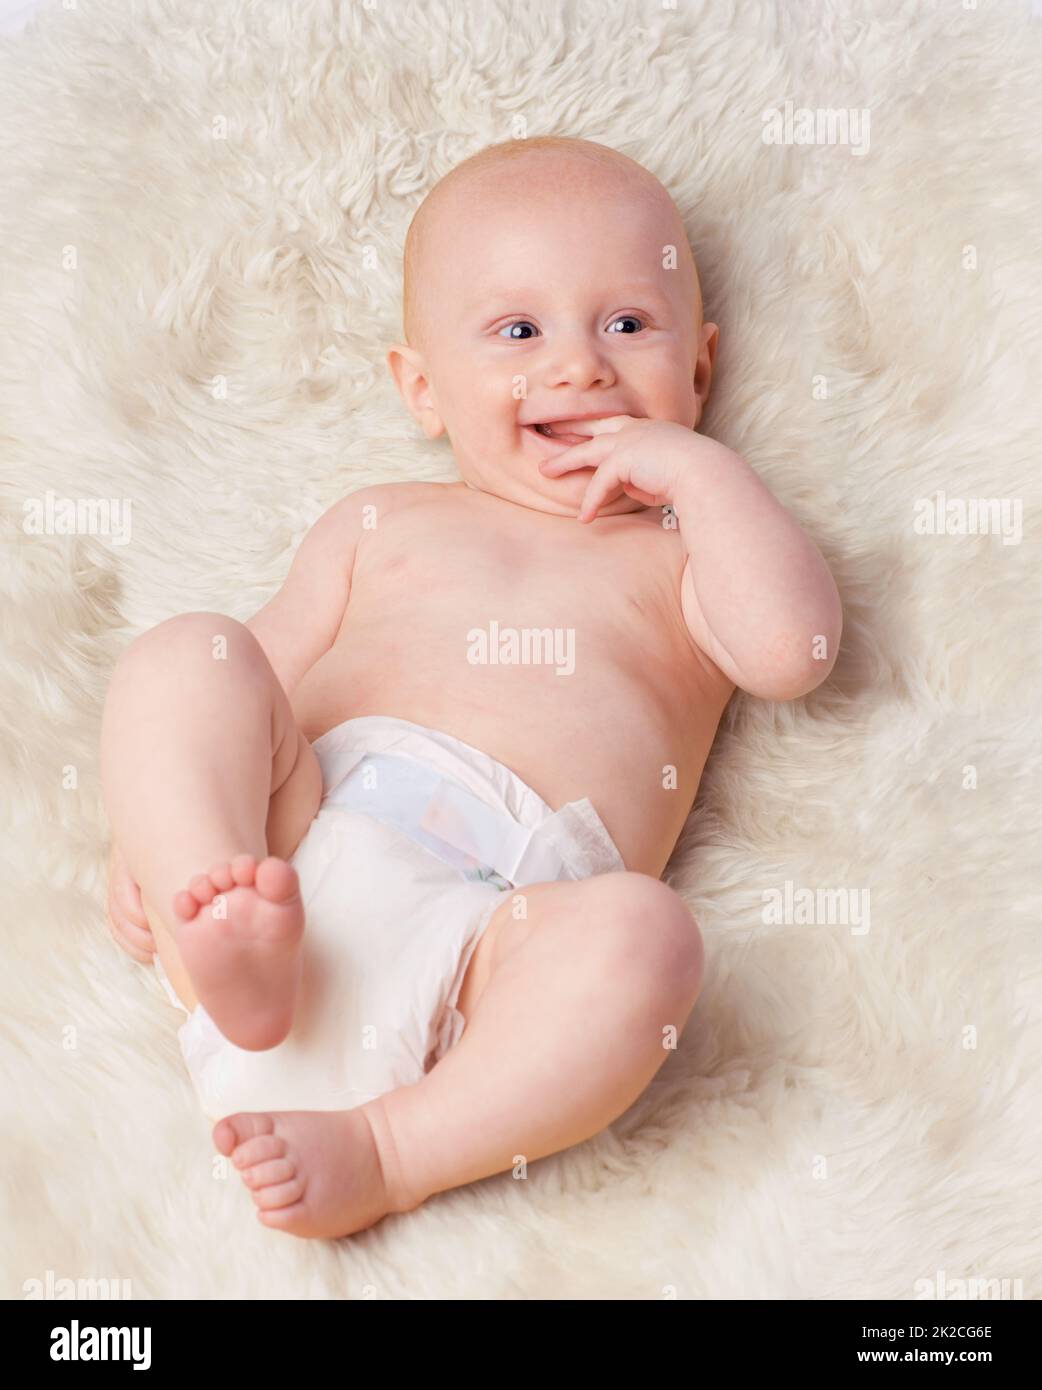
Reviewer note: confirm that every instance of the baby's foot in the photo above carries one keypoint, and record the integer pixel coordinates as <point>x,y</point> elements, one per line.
<point>240,939</point>
<point>311,1172</point>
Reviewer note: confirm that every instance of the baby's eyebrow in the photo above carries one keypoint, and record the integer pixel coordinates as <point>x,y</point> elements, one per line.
<point>640,287</point>
<point>485,300</point>
<point>488,301</point>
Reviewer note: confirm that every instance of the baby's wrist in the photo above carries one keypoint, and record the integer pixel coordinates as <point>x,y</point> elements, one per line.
<point>702,460</point>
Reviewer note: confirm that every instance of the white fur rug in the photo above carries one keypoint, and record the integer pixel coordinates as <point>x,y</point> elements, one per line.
<point>202,220</point>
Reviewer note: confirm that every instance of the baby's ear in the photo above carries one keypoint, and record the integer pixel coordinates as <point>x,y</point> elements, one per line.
<point>708,339</point>
<point>409,370</point>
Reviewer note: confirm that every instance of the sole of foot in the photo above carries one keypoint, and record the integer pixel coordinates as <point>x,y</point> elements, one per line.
<point>239,933</point>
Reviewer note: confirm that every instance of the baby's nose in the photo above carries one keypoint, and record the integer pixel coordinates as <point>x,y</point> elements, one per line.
<point>580,364</point>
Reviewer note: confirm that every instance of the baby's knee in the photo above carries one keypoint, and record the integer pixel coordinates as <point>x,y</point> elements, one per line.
<point>654,936</point>
<point>190,642</point>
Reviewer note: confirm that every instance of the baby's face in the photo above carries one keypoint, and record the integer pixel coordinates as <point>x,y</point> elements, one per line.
<point>545,302</point>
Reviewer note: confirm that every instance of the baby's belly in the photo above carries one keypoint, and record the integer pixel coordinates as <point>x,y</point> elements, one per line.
<point>637,751</point>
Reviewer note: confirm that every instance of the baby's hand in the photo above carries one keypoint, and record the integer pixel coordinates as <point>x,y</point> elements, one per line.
<point>776,632</point>
<point>643,459</point>
<point>127,920</point>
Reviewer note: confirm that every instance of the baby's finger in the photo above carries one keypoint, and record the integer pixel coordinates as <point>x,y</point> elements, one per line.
<point>120,911</point>
<point>123,935</point>
<point>139,937</point>
<point>604,487</point>
<point>128,896</point>
<point>611,424</point>
<point>587,455</point>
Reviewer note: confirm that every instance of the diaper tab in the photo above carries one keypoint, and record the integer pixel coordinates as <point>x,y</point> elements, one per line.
<point>462,820</point>
<point>478,840</point>
<point>578,835</point>
<point>401,791</point>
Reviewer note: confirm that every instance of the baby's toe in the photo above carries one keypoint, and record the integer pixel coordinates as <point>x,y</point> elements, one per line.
<point>264,1146</point>
<point>282,1218</point>
<point>185,906</point>
<point>202,890</point>
<point>221,877</point>
<point>282,1194</point>
<point>234,1130</point>
<point>270,1174</point>
<point>244,870</point>
<point>276,880</point>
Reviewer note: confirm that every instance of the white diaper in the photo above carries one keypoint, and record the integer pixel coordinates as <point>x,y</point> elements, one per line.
<point>417,838</point>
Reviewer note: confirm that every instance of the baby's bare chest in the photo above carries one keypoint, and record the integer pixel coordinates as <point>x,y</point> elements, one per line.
<point>467,621</point>
<point>441,577</point>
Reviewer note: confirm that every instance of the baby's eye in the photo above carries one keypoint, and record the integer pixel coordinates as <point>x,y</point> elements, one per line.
<point>626,318</point>
<point>521,323</point>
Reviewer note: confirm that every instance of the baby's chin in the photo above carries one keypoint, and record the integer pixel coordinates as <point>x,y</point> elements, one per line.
<point>553,496</point>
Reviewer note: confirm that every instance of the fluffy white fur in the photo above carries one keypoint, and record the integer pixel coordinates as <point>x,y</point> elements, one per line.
<point>824,1130</point>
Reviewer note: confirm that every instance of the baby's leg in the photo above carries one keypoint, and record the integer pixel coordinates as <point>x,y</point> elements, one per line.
<point>577,1008</point>
<point>203,771</point>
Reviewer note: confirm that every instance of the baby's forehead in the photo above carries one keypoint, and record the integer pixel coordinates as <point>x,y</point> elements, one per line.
<point>549,178</point>
<point>553,213</point>
<point>532,219</point>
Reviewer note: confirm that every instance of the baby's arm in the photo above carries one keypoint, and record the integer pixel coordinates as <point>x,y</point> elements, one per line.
<point>299,625</point>
<point>757,596</point>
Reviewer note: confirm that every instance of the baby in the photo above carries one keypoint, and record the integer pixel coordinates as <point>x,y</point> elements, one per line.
<point>397,840</point>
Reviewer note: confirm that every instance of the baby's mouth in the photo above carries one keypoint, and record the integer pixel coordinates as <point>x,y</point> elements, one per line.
<point>559,432</point>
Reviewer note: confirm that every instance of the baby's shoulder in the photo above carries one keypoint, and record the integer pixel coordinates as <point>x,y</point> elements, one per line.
<point>381,499</point>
